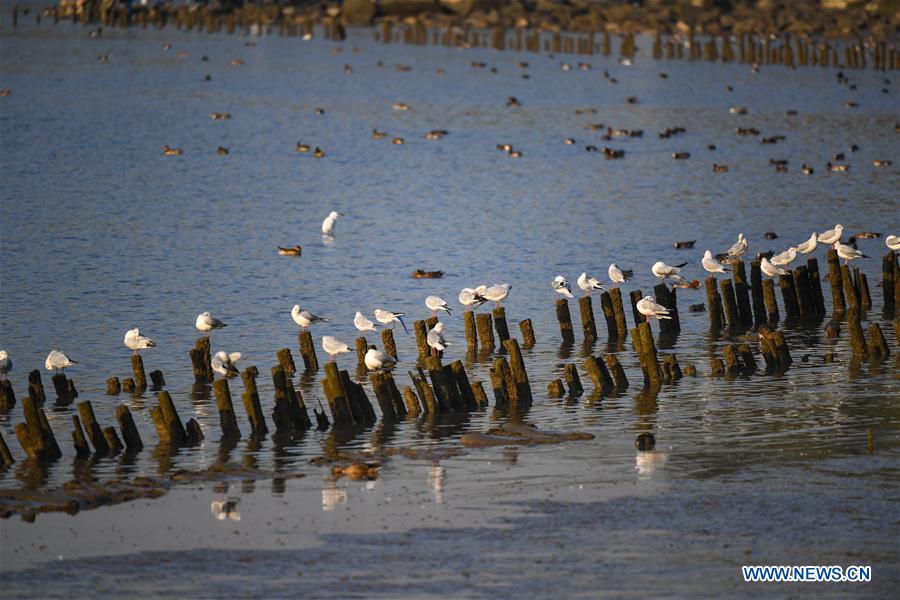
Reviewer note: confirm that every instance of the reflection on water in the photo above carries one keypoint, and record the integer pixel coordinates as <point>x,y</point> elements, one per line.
<point>225,508</point>
<point>332,494</point>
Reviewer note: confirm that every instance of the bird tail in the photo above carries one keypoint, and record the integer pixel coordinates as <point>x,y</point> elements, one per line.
<point>662,316</point>
<point>73,361</point>
<point>404,324</point>
<point>679,266</point>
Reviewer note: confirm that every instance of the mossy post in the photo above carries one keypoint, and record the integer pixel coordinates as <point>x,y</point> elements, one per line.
<point>286,361</point>
<point>64,395</point>
<point>887,282</point>
<point>756,291</point>
<point>527,330</point>
<point>589,328</point>
<point>573,381</point>
<point>609,314</point>
<point>642,339</point>
<point>308,351</point>
<point>157,380</point>
<point>851,294</point>
<point>565,321</point>
<point>36,388</point>
<point>498,383</point>
<point>463,384</point>
<point>362,346</point>
<point>383,395</point>
<point>200,360</point>
<point>499,316</point>
<point>338,401</point>
<point>471,331</point>
<point>484,324</point>
<point>82,448</point>
<point>7,396</point>
<point>137,367</point>
<point>6,457</point>
<point>130,434</point>
<point>387,339</point>
<point>668,298</point>
<point>617,372</point>
<point>877,346</point>
<point>92,427</point>
<point>742,293</point>
<point>227,418</point>
<point>789,296</point>
<point>615,295</point>
<point>815,282</point>
<point>596,369</point>
<point>837,290</point>
<point>803,287</point>
<point>519,375</point>
<point>636,296</point>
<point>35,435</point>
<point>768,289</point>
<point>714,304</point>
<point>411,400</point>
<point>252,406</point>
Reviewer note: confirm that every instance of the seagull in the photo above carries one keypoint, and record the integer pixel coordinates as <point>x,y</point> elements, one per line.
<point>206,322</point>
<point>375,359</point>
<point>785,258</point>
<point>648,307</point>
<point>136,341</point>
<point>711,264</point>
<point>892,242</point>
<point>662,270</point>
<point>496,293</point>
<point>385,316</point>
<point>434,304</point>
<point>5,363</point>
<point>435,337</point>
<point>809,245</point>
<point>587,283</point>
<point>333,347</point>
<point>328,223</point>
<point>469,297</point>
<point>832,235</point>
<point>617,275</point>
<point>848,253</point>
<point>223,363</point>
<point>57,360</point>
<point>770,269</point>
<point>562,287</point>
<point>304,318</point>
<point>362,323</point>
<point>739,247</point>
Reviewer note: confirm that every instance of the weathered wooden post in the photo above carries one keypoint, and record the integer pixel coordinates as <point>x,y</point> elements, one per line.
<point>426,394</point>
<point>421,331</point>
<point>413,409</point>
<point>250,399</point>
<point>527,330</point>
<point>445,390</point>
<point>82,448</point>
<point>714,304</point>
<point>774,349</point>
<point>803,286</point>
<point>308,351</point>
<point>168,424</point>
<point>596,369</point>
<point>286,361</point>
<point>499,315</point>
<point>383,395</point>
<point>200,360</point>
<point>615,295</point>
<point>35,435</point>
<point>556,389</point>
<point>92,427</point>
<point>609,314</point>
<point>636,296</point>
<point>130,434</point>
<point>642,340</point>
<point>588,326</point>
<point>877,347</point>
<point>362,346</point>
<point>484,324</point>
<point>498,374</point>
<point>390,346</point>
<point>36,388</point>
<point>617,372</point>
<point>6,457</point>
<point>789,296</point>
<point>471,331</point>
<point>63,390</point>
<point>812,266</point>
<point>887,282</point>
<point>834,277</point>
<point>862,289</point>
<point>7,396</point>
<point>463,384</point>
<point>137,367</point>
<point>768,289</point>
<point>742,293</point>
<point>565,321</point>
<point>746,357</point>
<point>227,419</point>
<point>519,375</point>
<point>668,298</point>
<point>851,294</point>
<point>670,370</point>
<point>573,381</point>
<point>157,381</point>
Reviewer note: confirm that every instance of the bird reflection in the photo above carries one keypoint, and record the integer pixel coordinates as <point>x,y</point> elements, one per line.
<point>225,508</point>
<point>332,495</point>
<point>436,476</point>
<point>647,463</point>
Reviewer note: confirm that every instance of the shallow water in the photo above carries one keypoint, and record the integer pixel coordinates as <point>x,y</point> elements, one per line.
<point>100,233</point>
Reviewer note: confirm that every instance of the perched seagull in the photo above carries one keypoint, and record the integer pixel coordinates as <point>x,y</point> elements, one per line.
<point>435,337</point>
<point>711,264</point>
<point>469,297</point>
<point>304,318</point>
<point>496,293</point>
<point>785,258</point>
<point>56,360</point>
<point>376,359</point>
<point>892,242</point>
<point>206,322</point>
<point>434,304</point>
<point>362,323</point>
<point>328,223</point>
<point>136,341</point>
<point>617,275</point>
<point>648,307</point>
<point>739,247</point>
<point>385,316</point>
<point>224,364</point>
<point>809,245</point>
<point>848,253</point>
<point>587,283</point>
<point>770,269</point>
<point>562,287</point>
<point>5,363</point>
<point>333,347</point>
<point>662,270</point>
<point>832,235</point>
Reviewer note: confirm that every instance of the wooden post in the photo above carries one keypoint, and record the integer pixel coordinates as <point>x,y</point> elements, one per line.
<point>774,349</point>
<point>606,305</point>
<point>35,435</point>
<point>113,387</point>
<point>528,340</point>
<point>387,339</point>
<point>463,384</point>
<point>877,347</point>
<point>668,298</point>
<point>137,367</point>
<point>596,369</point>
<point>200,360</point>
<point>193,433</point>
<point>413,409</point>
<point>286,361</point>
<point>499,384</point>
<point>130,433</point>
<point>642,339</point>
<point>499,315</point>
<point>471,331</point>
<point>670,370</point>
<point>862,289</point>
<point>281,413</point>
<point>379,383</point>
<point>768,289</point>
<point>732,362</point>
<point>362,346</point>
<point>617,372</point>
<point>555,389</point>
<point>803,286</point>
<point>61,386</point>
<point>227,419</point>
<point>746,356</point>
<point>5,455</point>
<point>421,332</point>
<point>82,449</point>
<point>851,294</point>
<point>484,324</point>
<point>714,304</point>
<point>92,427</point>
<point>887,282</point>
<point>587,319</point>
<point>308,351</point>
<point>252,407</point>
<point>565,321</point>
<point>573,381</point>
<point>615,294</point>
<point>716,366</point>
<point>338,401</point>
<point>360,407</point>
<point>7,396</point>
<point>636,296</point>
<point>812,266</point>
<point>834,277</point>
<point>36,388</point>
<point>168,423</point>
<point>742,293</point>
<point>157,381</point>
<point>112,440</point>
<point>445,391</point>
<point>519,375</point>
<point>426,394</point>
<point>729,304</point>
<point>480,396</point>
<point>857,340</point>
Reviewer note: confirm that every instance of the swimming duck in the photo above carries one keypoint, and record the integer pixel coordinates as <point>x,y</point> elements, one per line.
<point>220,116</point>
<point>806,169</point>
<point>738,110</point>
<point>397,141</point>
<point>378,135</point>
<point>237,62</point>
<point>435,134</point>
<point>319,111</point>
<point>302,147</point>
<point>168,151</point>
<point>681,155</point>
<point>881,163</point>
<point>401,106</point>
<point>717,168</point>
<point>837,168</point>
<point>222,151</point>
<point>318,152</point>
<point>290,251</point>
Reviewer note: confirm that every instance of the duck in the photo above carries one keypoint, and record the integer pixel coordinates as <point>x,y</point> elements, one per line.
<point>169,151</point>
<point>882,163</point>
<point>319,111</point>
<point>401,106</point>
<point>318,153</point>
<point>302,147</point>
<point>397,141</point>
<point>290,250</point>
<point>216,116</point>
<point>806,169</point>
<point>837,168</point>
<point>378,135</point>
<point>681,155</point>
<point>435,134</point>
<point>717,168</point>
<point>221,150</point>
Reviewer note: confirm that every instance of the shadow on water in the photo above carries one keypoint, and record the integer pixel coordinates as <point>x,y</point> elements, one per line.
<point>666,340</point>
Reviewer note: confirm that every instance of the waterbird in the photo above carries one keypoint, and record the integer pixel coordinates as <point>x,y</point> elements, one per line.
<point>302,147</point>
<point>435,337</point>
<point>648,307</point>
<point>333,347</point>
<point>847,252</point>
<point>739,247</point>
<point>436,303</point>
<point>224,363</point>
<point>468,297</point>
<point>832,235</point>
<point>290,250</point>
<point>379,135</point>
<point>304,318</point>
<point>561,285</point>
<point>588,283</point>
<point>495,293</point>
<point>711,264</point>
<point>770,269</point>
<point>318,153</point>
<point>375,359</point>
<point>809,245</point>
<point>57,360</point>
<point>617,275</point>
<point>663,271</point>
<point>136,341</point>
<point>363,324</point>
<point>330,220</point>
<point>6,363</point>
<point>169,151</point>
<point>206,323</point>
<point>385,316</point>
<point>892,242</point>
<point>785,258</point>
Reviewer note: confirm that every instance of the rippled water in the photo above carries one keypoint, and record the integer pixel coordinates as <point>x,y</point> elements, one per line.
<point>100,233</point>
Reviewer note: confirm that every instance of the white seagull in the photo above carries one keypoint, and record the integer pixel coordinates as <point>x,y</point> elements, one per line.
<point>304,318</point>
<point>587,283</point>
<point>385,316</point>
<point>135,341</point>
<point>57,360</point>
<point>5,363</point>
<point>362,323</point>
<point>435,337</point>
<point>496,293</point>
<point>561,285</point>
<point>785,258</point>
<point>711,264</point>
<point>333,347</point>
<point>617,275</point>
<point>847,252</point>
<point>469,297</point>
<point>739,247</point>
<point>892,242</point>
<point>832,235</point>
<point>376,359</point>
<point>662,270</point>
<point>206,323</point>
<point>809,245</point>
<point>328,223</point>
<point>770,269</point>
<point>648,307</point>
<point>224,364</point>
<point>435,303</point>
